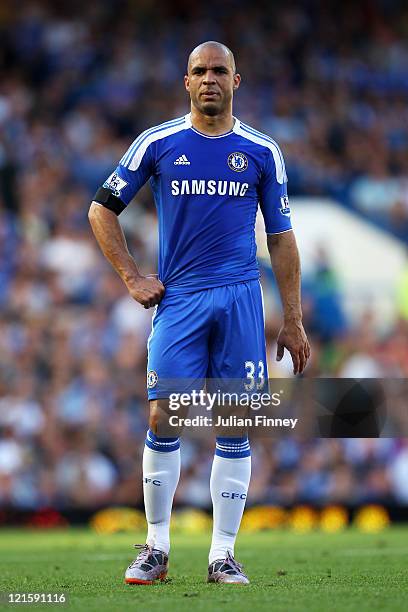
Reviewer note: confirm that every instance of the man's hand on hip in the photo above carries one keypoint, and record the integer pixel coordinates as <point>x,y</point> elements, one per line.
<point>292,337</point>
<point>147,290</point>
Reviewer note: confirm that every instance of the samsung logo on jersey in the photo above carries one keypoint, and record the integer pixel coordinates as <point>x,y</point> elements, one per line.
<point>202,187</point>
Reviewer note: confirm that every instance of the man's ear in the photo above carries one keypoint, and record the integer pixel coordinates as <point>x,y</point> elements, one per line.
<point>187,82</point>
<point>237,81</point>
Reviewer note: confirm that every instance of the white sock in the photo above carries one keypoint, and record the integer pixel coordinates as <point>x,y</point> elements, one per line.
<point>229,487</point>
<point>161,472</point>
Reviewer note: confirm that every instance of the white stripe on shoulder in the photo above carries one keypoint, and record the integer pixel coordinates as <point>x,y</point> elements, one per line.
<point>155,128</point>
<point>153,137</point>
<point>269,144</point>
<point>129,153</point>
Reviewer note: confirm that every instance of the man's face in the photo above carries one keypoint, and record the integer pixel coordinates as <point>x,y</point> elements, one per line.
<point>211,80</point>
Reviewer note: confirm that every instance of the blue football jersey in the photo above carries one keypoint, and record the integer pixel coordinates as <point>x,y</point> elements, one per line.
<point>207,190</point>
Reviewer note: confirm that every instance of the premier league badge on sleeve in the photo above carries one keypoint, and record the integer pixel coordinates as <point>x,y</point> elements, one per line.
<point>238,162</point>
<point>285,208</point>
<point>115,183</point>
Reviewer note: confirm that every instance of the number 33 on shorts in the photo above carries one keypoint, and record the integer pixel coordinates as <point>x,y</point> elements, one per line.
<point>255,375</point>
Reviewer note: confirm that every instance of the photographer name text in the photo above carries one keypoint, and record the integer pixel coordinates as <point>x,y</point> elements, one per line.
<point>232,421</point>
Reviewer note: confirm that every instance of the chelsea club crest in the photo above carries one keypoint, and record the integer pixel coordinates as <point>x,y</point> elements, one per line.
<point>152,379</point>
<point>238,162</point>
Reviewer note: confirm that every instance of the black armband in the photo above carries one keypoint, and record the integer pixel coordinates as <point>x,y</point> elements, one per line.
<point>105,197</point>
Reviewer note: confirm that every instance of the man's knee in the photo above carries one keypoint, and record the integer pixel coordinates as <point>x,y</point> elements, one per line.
<point>160,422</point>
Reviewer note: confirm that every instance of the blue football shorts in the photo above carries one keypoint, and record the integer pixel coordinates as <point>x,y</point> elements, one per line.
<point>205,336</point>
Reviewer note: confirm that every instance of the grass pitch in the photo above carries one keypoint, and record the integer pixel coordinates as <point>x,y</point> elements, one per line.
<point>289,572</point>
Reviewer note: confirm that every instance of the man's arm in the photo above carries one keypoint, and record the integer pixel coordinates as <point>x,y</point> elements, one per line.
<point>147,290</point>
<point>286,267</point>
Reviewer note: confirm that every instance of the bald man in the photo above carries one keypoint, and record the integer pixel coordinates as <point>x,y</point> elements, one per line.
<point>209,172</point>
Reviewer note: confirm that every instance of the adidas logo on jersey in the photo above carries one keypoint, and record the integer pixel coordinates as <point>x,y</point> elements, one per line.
<point>182,161</point>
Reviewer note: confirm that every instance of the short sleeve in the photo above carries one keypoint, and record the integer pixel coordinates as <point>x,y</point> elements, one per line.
<point>273,194</point>
<point>133,171</point>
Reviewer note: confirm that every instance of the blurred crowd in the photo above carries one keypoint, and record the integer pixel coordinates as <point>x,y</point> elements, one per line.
<point>76,85</point>
<point>80,81</point>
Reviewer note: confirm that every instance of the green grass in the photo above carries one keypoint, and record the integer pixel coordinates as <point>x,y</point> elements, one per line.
<point>289,572</point>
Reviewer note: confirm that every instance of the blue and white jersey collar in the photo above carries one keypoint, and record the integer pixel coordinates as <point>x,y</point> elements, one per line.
<point>234,128</point>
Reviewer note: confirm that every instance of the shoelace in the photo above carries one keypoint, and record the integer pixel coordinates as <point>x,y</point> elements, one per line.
<point>237,566</point>
<point>145,552</point>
